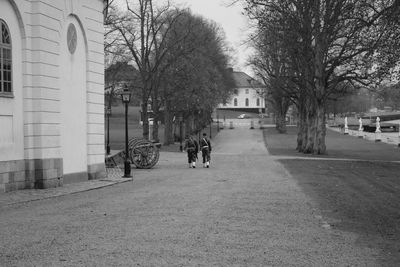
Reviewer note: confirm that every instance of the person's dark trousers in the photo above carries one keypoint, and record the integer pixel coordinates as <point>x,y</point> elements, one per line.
<point>206,157</point>
<point>191,158</point>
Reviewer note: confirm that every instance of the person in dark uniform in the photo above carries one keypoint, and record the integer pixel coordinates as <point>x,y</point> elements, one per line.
<point>192,148</point>
<point>205,146</point>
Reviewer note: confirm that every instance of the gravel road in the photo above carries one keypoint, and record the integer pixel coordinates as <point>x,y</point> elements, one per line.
<point>246,210</point>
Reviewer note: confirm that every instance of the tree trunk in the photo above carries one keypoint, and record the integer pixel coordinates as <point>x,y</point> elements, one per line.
<point>156,112</point>
<point>305,111</point>
<point>320,128</point>
<point>282,108</point>
<point>316,130</point>
<point>145,117</point>
<point>300,125</point>
<point>188,128</point>
<point>281,123</point>
<point>155,105</point>
<point>168,130</point>
<point>189,123</point>
<point>308,139</point>
<point>319,146</point>
<point>304,134</point>
<point>155,129</point>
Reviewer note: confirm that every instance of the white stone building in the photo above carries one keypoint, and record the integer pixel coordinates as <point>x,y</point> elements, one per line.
<point>51,92</point>
<point>247,94</point>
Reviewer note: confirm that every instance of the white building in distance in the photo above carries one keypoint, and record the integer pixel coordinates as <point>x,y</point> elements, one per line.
<point>51,92</point>
<point>248,94</point>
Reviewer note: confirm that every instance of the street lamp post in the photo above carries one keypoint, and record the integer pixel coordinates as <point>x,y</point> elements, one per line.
<point>126,98</point>
<point>211,120</point>
<point>108,114</point>
<point>180,132</point>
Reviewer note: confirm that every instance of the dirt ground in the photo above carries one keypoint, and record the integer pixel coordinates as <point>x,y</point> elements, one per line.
<point>357,187</point>
<point>245,210</point>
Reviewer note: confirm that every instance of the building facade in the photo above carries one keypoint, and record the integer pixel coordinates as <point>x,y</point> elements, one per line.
<point>248,94</point>
<point>51,92</point>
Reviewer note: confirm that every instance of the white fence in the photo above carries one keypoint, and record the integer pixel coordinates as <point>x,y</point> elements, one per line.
<point>239,123</point>
<point>390,138</point>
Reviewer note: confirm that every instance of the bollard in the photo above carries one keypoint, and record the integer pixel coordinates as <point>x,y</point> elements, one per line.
<point>378,130</point>
<point>378,137</point>
<point>346,127</point>
<point>360,129</point>
<point>251,125</point>
<point>231,125</point>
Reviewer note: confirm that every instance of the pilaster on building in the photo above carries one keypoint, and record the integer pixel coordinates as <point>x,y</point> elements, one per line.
<point>54,116</point>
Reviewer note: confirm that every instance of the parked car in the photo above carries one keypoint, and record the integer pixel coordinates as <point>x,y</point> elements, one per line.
<point>243,116</point>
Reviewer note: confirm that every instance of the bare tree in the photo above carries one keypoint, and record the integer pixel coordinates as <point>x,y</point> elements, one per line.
<point>270,63</point>
<point>139,32</point>
<point>330,43</point>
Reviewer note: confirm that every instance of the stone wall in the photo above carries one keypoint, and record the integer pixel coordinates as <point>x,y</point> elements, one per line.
<point>29,174</point>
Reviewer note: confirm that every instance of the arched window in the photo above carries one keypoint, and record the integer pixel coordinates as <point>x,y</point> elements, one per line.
<point>258,102</point>
<point>235,102</point>
<point>5,60</point>
<point>247,102</point>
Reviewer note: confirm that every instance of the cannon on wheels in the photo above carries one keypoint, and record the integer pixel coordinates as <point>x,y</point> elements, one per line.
<point>143,153</point>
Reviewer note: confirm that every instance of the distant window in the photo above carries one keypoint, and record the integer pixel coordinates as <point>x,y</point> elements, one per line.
<point>235,91</point>
<point>247,91</point>
<point>5,60</point>
<point>258,102</point>
<point>235,102</point>
<point>247,102</point>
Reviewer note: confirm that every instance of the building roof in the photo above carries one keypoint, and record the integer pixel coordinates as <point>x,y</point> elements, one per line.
<point>243,80</point>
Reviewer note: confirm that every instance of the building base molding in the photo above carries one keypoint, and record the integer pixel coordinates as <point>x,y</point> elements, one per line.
<point>30,174</point>
<point>97,171</point>
<point>42,174</point>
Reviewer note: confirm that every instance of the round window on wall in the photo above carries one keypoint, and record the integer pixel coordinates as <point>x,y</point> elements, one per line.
<point>71,38</point>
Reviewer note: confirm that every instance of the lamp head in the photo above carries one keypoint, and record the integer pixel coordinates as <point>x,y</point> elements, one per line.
<point>126,95</point>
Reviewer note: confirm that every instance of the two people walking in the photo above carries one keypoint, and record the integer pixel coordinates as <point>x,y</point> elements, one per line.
<point>192,148</point>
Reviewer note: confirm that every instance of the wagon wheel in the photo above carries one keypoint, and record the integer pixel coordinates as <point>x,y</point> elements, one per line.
<point>144,154</point>
<point>133,142</point>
